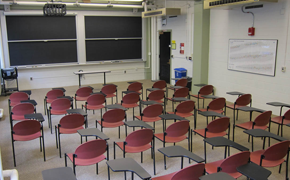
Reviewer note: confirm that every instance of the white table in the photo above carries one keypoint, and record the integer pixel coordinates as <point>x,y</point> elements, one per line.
<point>80,73</point>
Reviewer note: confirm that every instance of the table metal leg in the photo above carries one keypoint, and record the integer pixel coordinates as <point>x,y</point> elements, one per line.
<point>104,78</point>
<point>80,80</point>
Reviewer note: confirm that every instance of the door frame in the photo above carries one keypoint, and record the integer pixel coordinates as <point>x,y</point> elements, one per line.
<point>158,53</point>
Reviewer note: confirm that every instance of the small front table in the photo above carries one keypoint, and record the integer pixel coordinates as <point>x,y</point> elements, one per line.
<point>262,133</point>
<point>217,176</point>
<point>222,141</point>
<point>79,111</point>
<point>127,164</point>
<point>166,117</point>
<point>279,104</point>
<point>254,171</point>
<point>80,73</point>
<point>92,132</point>
<point>178,151</point>
<point>138,123</point>
<point>62,173</point>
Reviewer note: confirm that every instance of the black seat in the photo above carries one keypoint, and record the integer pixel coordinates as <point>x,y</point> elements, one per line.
<point>9,74</point>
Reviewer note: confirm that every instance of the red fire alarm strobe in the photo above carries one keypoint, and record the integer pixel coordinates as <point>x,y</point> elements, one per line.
<point>181,48</point>
<point>251,31</point>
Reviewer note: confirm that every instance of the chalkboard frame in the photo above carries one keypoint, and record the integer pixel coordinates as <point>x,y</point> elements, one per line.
<point>71,38</point>
<point>130,21</point>
<point>273,61</point>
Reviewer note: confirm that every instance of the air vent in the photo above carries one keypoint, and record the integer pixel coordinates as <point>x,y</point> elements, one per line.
<point>162,12</point>
<point>208,4</point>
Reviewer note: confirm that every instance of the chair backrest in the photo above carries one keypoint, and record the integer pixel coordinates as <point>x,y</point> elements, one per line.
<point>84,91</point>
<point>161,84</point>
<point>131,98</point>
<point>181,92</point>
<point>156,95</point>
<point>177,129</point>
<point>114,115</point>
<point>91,149</point>
<point>181,82</point>
<point>18,96</point>
<point>96,99</point>
<point>192,172</point>
<point>27,127</point>
<point>135,86</point>
<point>277,151</point>
<point>9,73</point>
<point>287,114</point>
<point>153,110</point>
<point>218,125</point>
<point>230,164</point>
<point>22,109</point>
<point>205,90</point>
<point>60,104</point>
<point>54,94</point>
<point>217,104</point>
<point>263,119</point>
<point>72,121</point>
<point>244,100</point>
<point>139,137</point>
<point>109,89</point>
<point>185,107</point>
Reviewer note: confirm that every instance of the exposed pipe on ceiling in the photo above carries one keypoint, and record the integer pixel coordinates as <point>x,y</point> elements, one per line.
<point>26,3</point>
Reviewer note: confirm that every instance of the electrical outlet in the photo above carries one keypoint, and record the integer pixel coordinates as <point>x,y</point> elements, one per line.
<point>31,78</point>
<point>284,69</point>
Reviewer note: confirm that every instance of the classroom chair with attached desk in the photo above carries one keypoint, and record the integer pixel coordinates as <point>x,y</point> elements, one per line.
<point>110,90</point>
<point>15,98</point>
<point>281,120</point>
<point>205,90</point>
<point>27,130</point>
<point>229,165</point>
<point>138,141</point>
<point>272,156</point>
<point>161,84</point>
<point>261,122</point>
<point>181,94</point>
<point>151,114</point>
<point>50,96</point>
<point>68,124</point>
<point>95,102</point>
<point>89,153</point>
<point>82,94</point>
<point>241,101</point>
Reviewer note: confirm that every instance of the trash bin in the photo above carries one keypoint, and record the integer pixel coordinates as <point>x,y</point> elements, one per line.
<point>180,72</point>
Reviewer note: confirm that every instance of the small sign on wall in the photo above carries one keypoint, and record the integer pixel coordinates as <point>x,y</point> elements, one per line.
<point>173,45</point>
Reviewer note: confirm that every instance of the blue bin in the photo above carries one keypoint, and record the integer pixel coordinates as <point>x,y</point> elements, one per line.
<point>180,72</point>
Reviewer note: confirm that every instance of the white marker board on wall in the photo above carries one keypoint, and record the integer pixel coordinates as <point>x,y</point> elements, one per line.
<point>253,56</point>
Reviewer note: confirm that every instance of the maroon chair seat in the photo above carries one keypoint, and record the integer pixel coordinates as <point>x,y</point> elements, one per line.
<point>151,114</point>
<point>82,94</point>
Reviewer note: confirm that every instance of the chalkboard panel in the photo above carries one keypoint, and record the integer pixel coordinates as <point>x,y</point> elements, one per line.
<point>253,56</point>
<point>113,26</point>
<point>102,50</point>
<point>27,53</point>
<point>40,27</point>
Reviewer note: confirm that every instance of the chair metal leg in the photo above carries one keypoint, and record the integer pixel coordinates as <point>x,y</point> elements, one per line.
<point>44,158</point>
<point>114,150</point>
<point>55,131</point>
<point>40,144</point>
<point>13,150</point>
<point>108,173</point>
<point>142,157</point>
<point>59,144</point>
<point>97,168</point>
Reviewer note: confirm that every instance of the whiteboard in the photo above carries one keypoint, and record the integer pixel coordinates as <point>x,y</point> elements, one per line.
<point>253,56</point>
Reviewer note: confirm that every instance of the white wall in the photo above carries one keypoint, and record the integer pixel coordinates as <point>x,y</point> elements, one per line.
<point>182,32</point>
<point>271,22</point>
<point>63,76</point>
